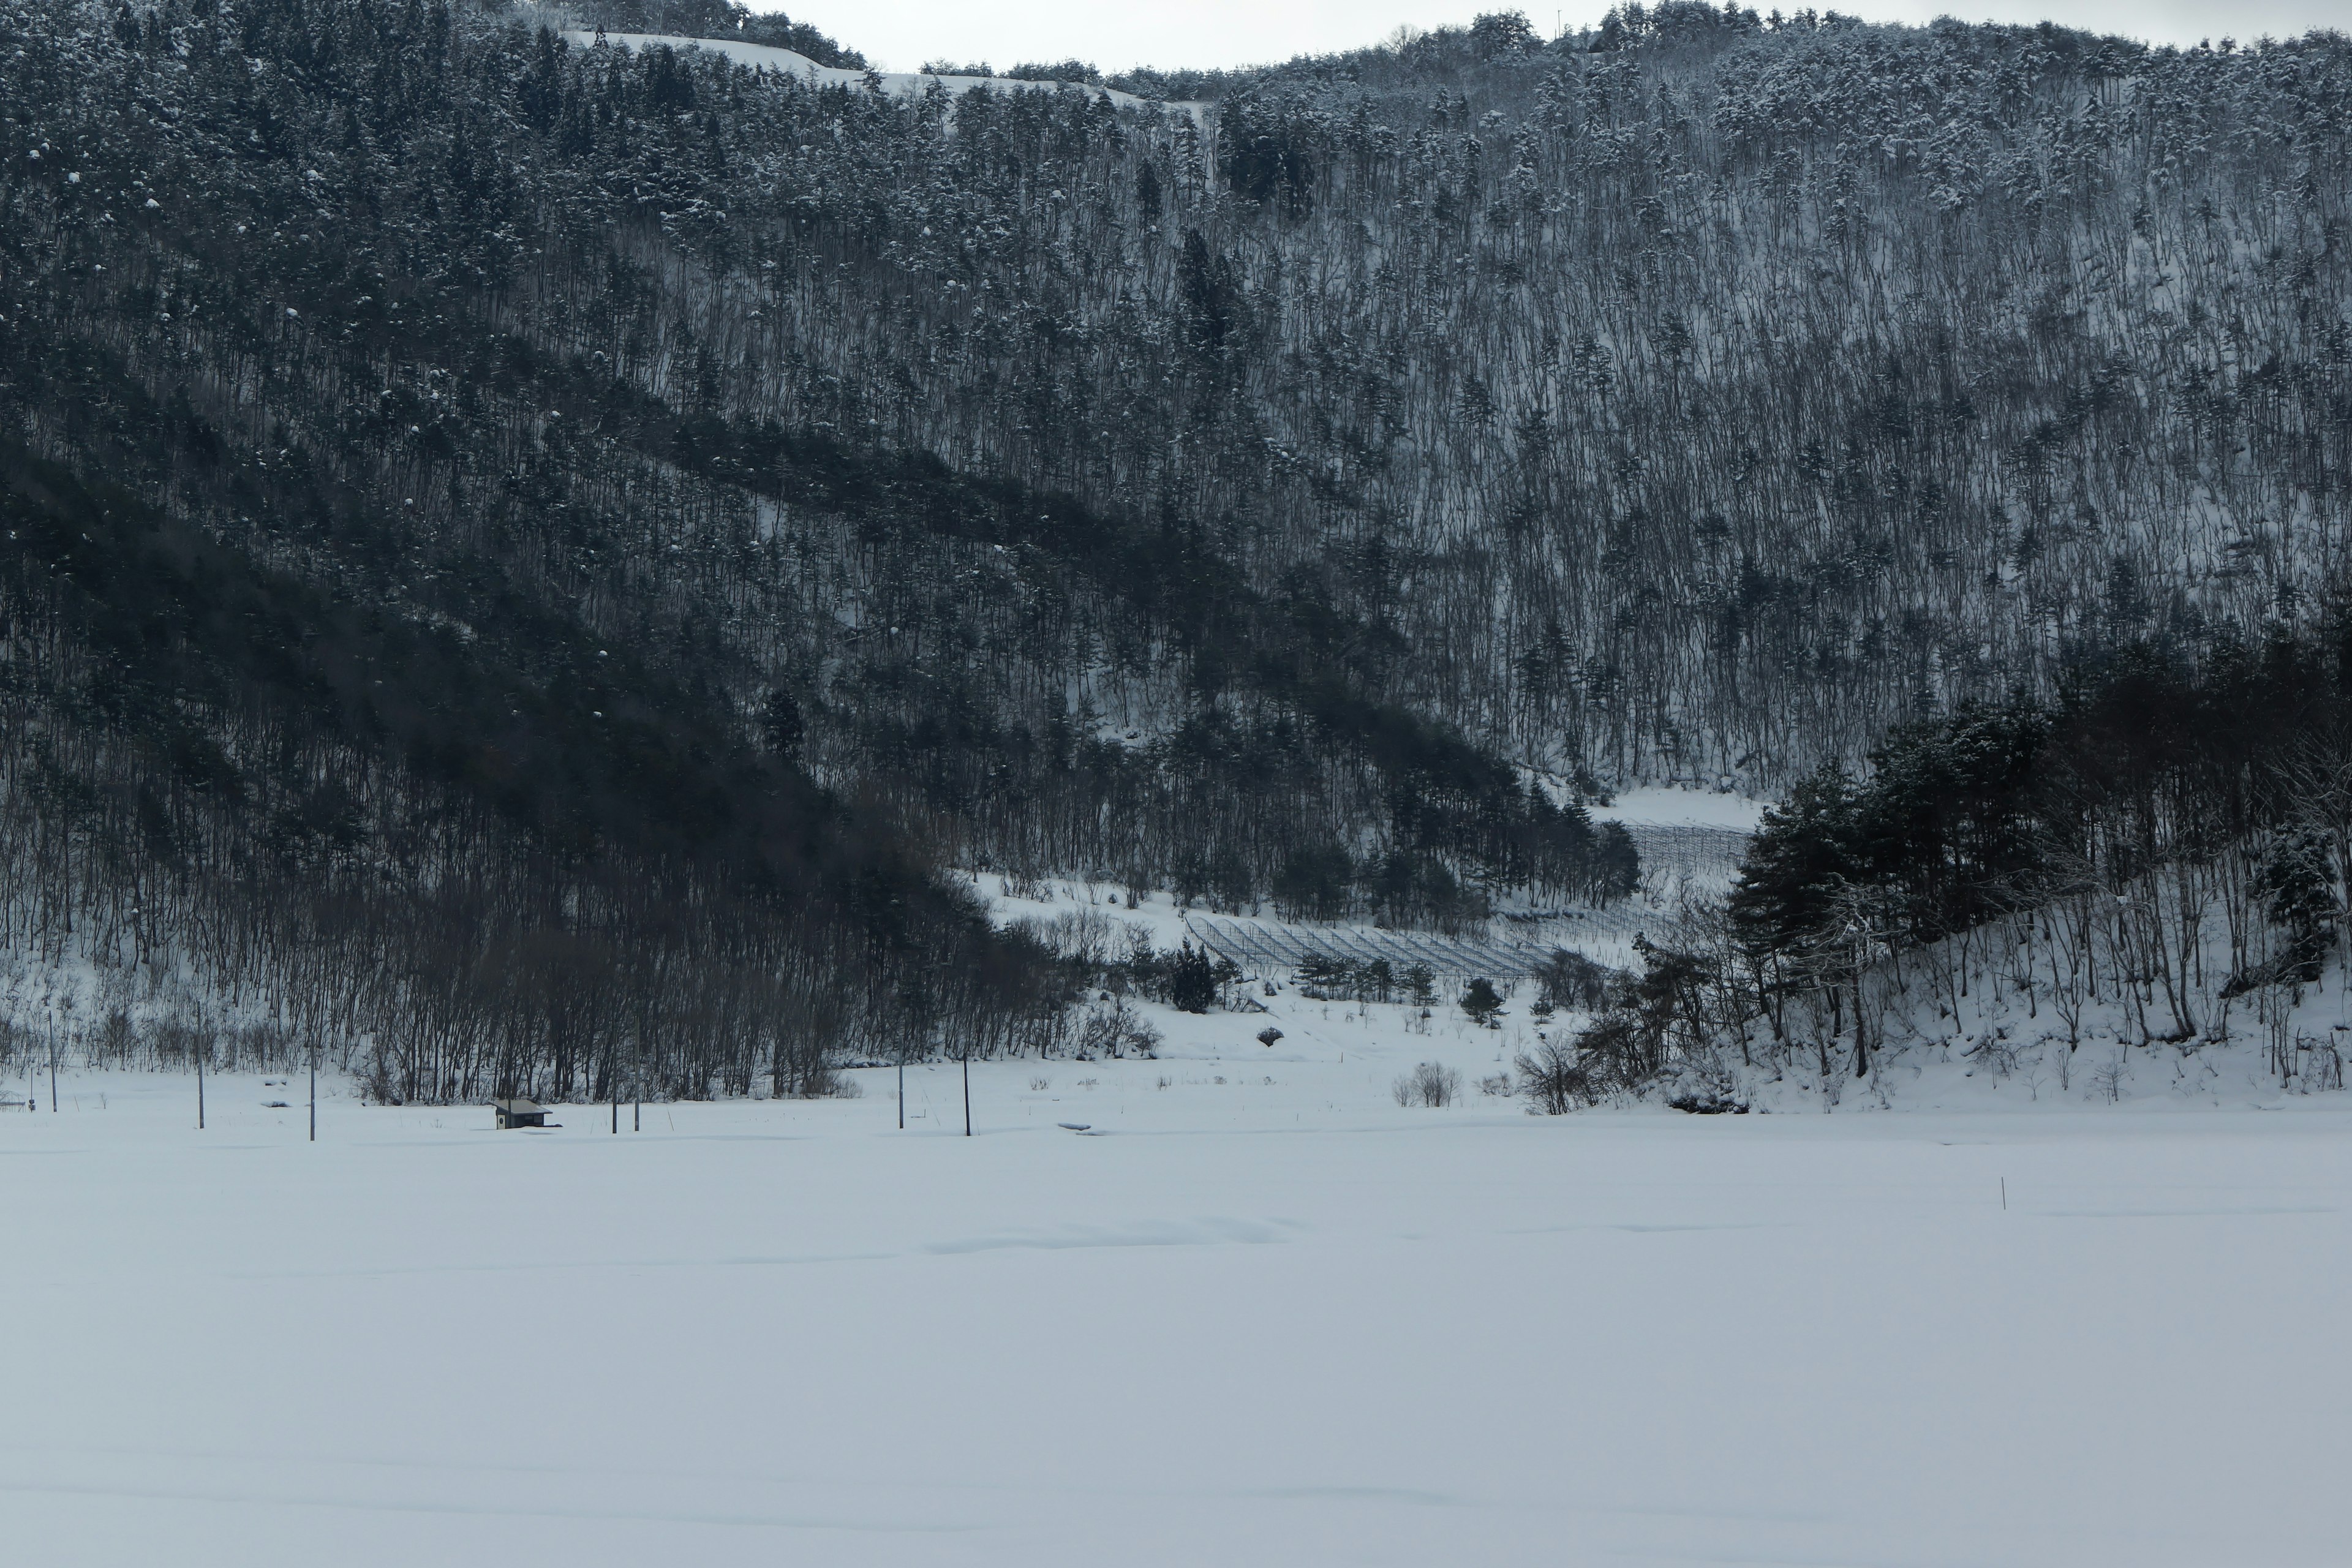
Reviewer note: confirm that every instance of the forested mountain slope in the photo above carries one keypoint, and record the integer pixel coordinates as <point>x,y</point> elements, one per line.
<point>829,485</point>
<point>1700,399</point>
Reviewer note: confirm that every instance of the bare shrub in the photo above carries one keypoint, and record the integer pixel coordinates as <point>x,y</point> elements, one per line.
<point>1041,1083</point>
<point>1082,937</point>
<point>1620,1052</point>
<point>829,1083</point>
<point>179,1041</point>
<point>1497,1084</point>
<point>1553,1079</point>
<point>1430,1084</point>
<point>2107,1080</point>
<point>1996,1053</point>
<point>117,1040</point>
<point>1113,1028</point>
<point>1014,884</point>
<point>1569,979</point>
<point>377,1084</point>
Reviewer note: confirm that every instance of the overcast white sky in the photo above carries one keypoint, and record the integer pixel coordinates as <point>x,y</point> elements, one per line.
<point>902,35</point>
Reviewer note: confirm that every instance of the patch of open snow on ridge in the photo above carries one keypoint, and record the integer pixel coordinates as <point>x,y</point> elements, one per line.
<point>1255,1322</point>
<point>1662,806</point>
<point>1157,912</point>
<point>902,84</point>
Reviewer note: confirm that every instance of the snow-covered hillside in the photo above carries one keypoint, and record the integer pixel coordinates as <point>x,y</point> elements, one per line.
<point>764,57</point>
<point>1993,1048</point>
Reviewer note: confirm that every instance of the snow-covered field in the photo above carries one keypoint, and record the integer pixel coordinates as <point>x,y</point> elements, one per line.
<point>1660,806</point>
<point>1258,1314</point>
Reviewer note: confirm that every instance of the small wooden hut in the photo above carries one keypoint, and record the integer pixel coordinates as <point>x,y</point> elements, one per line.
<point>519,1113</point>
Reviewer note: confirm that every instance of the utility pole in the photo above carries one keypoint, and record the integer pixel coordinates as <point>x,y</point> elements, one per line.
<point>200,1088</point>
<point>902,1087</point>
<point>53,1064</point>
<point>967,1086</point>
<point>1861,1048</point>
<point>314,1091</point>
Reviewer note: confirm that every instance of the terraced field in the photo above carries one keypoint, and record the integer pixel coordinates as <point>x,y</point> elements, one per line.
<point>1266,949</point>
<point>1676,858</point>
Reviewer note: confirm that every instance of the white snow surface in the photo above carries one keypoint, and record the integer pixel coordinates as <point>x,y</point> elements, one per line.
<point>1660,806</point>
<point>903,84</point>
<point>1258,1315</point>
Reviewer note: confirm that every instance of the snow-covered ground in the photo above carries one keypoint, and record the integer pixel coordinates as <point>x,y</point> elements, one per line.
<point>767,57</point>
<point>1660,806</point>
<point>1257,1314</point>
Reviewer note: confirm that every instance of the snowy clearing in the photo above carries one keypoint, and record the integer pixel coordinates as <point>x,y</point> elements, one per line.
<point>1258,1315</point>
<point>901,84</point>
<point>1659,806</point>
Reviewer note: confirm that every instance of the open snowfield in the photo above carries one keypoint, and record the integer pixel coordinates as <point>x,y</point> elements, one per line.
<point>1248,1322</point>
<point>1661,805</point>
<point>900,84</point>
